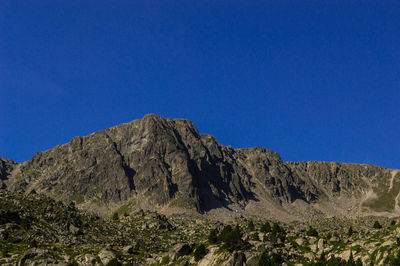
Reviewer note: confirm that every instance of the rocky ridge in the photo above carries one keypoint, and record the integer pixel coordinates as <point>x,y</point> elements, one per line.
<point>166,165</point>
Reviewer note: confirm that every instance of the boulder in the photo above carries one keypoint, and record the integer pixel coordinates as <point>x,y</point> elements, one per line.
<point>211,257</point>
<point>300,241</point>
<point>86,260</point>
<point>312,240</point>
<point>314,248</point>
<point>252,260</point>
<point>128,249</point>
<point>106,255</point>
<point>310,256</point>
<point>321,244</point>
<point>180,250</point>
<point>389,243</point>
<point>345,255</point>
<point>73,229</point>
<point>235,259</point>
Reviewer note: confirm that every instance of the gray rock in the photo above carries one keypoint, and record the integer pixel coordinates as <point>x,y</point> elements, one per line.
<point>167,162</point>
<point>310,256</point>
<point>236,259</point>
<point>300,241</point>
<point>73,229</point>
<point>180,250</point>
<point>106,255</point>
<point>314,248</point>
<point>86,260</point>
<point>321,244</point>
<point>252,260</point>
<point>128,249</point>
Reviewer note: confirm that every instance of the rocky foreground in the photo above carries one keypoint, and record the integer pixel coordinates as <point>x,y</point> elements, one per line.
<point>38,230</point>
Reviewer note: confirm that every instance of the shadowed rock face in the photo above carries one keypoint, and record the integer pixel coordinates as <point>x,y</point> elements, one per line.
<point>6,167</point>
<point>161,161</point>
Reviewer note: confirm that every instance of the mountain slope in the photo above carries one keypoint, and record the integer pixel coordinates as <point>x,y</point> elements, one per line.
<point>165,164</point>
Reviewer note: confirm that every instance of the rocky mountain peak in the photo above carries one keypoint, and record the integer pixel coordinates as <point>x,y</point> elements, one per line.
<point>162,163</point>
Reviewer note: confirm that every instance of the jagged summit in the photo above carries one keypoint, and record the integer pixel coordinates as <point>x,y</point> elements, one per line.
<point>165,164</point>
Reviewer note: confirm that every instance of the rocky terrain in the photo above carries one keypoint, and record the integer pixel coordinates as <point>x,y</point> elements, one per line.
<point>37,230</point>
<point>155,191</point>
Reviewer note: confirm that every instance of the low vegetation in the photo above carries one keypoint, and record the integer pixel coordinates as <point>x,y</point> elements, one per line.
<point>38,229</point>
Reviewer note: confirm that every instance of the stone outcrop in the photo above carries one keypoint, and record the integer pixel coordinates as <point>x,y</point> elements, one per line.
<point>6,166</point>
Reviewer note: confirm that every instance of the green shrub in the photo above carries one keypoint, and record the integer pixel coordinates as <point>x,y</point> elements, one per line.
<point>276,228</point>
<point>33,244</point>
<point>321,261</point>
<point>393,260</point>
<point>254,236</point>
<point>264,259</point>
<point>200,252</point>
<point>312,232</point>
<point>332,261</point>
<point>328,235</point>
<point>350,232</point>
<point>232,238</point>
<point>251,226</point>
<point>273,238</point>
<point>350,261</point>
<point>265,228</point>
<point>114,262</point>
<point>224,234</point>
<point>165,260</point>
<point>277,232</point>
<point>356,248</point>
<point>74,263</point>
<point>213,236</point>
<point>4,252</point>
<point>115,216</point>
<point>377,225</point>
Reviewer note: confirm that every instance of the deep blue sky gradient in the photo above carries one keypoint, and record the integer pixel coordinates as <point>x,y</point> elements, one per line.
<point>312,80</point>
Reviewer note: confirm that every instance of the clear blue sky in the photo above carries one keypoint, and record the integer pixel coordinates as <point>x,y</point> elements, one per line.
<point>312,80</point>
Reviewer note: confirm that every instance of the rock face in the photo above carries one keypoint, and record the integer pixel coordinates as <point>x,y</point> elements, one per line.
<point>159,162</point>
<point>6,167</point>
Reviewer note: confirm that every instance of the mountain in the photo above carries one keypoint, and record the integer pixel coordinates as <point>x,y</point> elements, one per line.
<point>166,165</point>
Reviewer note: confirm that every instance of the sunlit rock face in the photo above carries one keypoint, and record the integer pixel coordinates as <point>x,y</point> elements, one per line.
<point>158,162</point>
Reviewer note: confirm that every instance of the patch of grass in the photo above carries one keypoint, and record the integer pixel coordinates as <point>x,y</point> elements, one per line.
<point>182,201</point>
<point>383,249</point>
<point>16,248</point>
<point>386,197</point>
<point>123,210</point>
<point>304,249</point>
<point>77,198</point>
<point>340,245</point>
<point>372,257</point>
<point>356,249</point>
<point>165,260</point>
